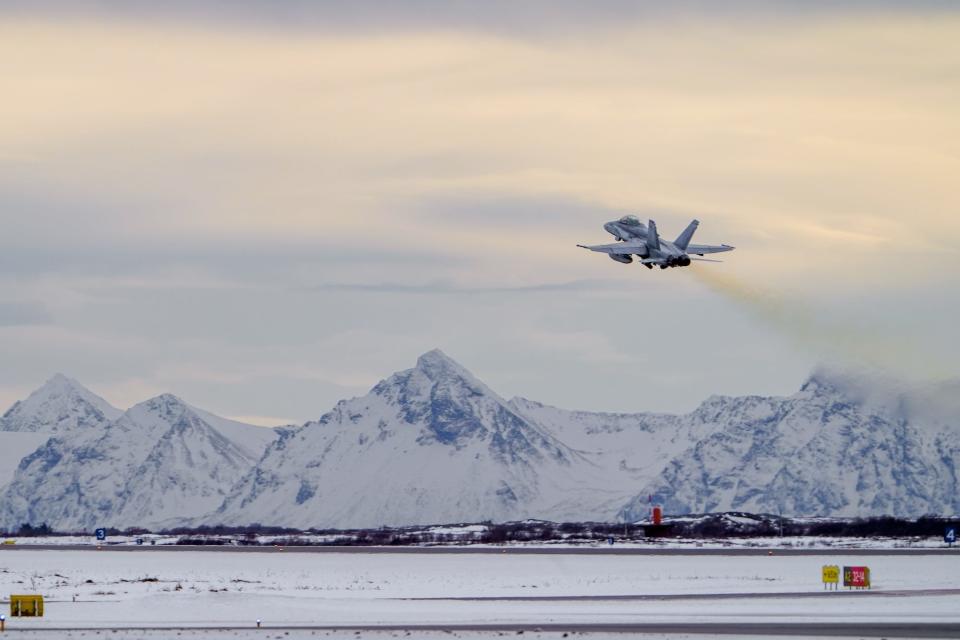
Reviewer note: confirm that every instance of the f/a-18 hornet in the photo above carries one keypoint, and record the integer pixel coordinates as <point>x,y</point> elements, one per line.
<point>635,239</point>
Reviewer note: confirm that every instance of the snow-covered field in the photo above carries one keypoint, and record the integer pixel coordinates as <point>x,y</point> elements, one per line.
<point>103,589</point>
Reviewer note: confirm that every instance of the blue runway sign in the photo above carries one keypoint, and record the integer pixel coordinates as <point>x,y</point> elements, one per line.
<point>950,536</point>
<point>101,534</point>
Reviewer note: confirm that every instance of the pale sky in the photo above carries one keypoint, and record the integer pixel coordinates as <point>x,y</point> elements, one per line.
<point>265,207</point>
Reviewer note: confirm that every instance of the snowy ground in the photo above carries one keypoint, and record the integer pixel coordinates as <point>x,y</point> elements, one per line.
<point>103,589</point>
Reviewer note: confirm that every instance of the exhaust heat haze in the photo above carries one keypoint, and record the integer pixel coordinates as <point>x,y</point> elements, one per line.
<point>872,348</point>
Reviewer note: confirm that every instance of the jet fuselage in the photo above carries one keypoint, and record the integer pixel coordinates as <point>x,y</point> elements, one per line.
<point>636,239</point>
<point>626,228</point>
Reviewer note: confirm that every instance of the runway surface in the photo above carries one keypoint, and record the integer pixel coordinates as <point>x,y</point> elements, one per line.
<point>762,629</point>
<point>475,593</point>
<point>865,593</point>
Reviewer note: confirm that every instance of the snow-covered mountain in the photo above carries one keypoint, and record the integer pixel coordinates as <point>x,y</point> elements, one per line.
<point>14,446</point>
<point>633,447</point>
<point>158,463</point>
<point>838,447</point>
<point>433,444</point>
<point>429,444</point>
<point>60,404</point>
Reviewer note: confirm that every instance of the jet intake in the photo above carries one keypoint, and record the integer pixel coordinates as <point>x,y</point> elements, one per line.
<point>625,259</point>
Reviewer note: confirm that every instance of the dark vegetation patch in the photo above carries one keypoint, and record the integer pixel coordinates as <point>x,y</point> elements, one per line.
<point>728,525</point>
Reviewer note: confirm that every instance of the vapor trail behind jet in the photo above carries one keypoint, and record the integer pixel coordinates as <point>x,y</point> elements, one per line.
<point>871,347</point>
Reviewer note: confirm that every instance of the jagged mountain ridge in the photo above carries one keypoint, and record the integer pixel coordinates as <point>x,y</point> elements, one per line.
<point>60,404</point>
<point>159,462</point>
<point>433,444</point>
<point>429,444</point>
<point>744,453</point>
<point>828,450</point>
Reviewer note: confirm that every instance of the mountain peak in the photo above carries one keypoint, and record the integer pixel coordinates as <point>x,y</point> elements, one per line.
<point>436,364</point>
<point>60,403</point>
<point>165,404</point>
<point>856,385</point>
<point>435,375</point>
<point>59,385</point>
<point>60,380</point>
<point>823,381</point>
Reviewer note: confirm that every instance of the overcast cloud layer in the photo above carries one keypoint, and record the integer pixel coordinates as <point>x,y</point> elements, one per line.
<point>265,207</point>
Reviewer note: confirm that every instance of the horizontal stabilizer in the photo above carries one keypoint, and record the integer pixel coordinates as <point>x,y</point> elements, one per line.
<point>701,249</point>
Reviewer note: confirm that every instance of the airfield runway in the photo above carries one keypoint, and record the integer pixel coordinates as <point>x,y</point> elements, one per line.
<point>156,592</point>
<point>595,631</point>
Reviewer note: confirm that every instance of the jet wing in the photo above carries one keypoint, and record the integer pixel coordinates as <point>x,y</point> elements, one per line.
<point>619,248</point>
<point>701,249</point>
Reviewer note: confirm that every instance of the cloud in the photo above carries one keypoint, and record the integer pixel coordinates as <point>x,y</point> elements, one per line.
<point>580,346</point>
<point>440,287</point>
<point>881,347</point>
<point>485,211</point>
<point>844,236</point>
<point>180,181</point>
<point>14,314</point>
<point>444,142</point>
<point>502,16</point>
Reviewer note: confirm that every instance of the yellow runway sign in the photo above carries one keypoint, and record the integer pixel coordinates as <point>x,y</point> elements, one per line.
<point>26,606</point>
<point>831,575</point>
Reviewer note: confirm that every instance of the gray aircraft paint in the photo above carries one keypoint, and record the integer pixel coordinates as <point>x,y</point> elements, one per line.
<point>645,242</point>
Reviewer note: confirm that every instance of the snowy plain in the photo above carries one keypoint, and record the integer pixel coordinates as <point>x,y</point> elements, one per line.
<point>89,589</point>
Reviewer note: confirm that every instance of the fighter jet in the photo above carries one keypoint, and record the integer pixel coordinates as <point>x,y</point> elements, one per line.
<point>645,243</point>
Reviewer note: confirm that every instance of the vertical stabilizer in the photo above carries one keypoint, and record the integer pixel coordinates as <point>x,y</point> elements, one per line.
<point>684,238</point>
<point>653,240</point>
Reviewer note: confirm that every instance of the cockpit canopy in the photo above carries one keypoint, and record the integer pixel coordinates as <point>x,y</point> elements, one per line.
<point>631,221</point>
